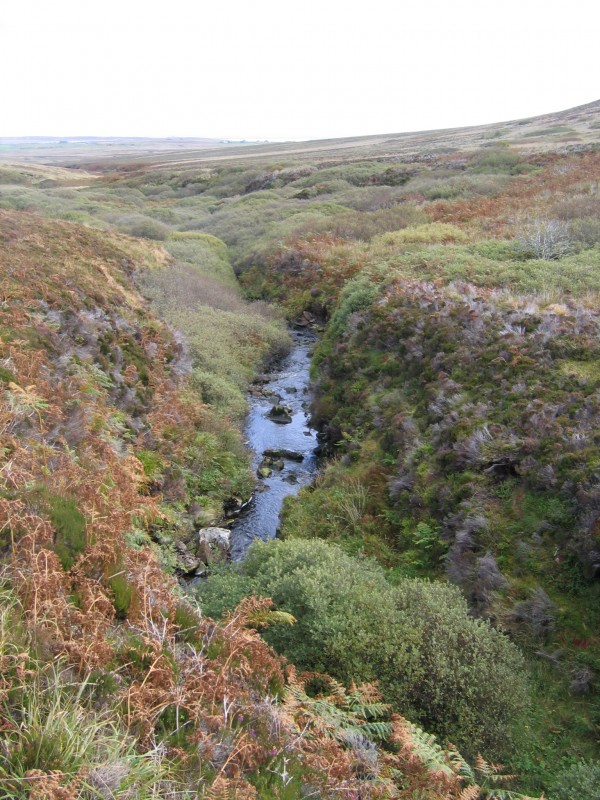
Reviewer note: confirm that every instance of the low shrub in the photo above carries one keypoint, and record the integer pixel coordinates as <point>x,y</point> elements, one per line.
<point>364,225</point>
<point>545,238</point>
<point>435,663</point>
<point>497,160</point>
<point>142,227</point>
<point>357,294</point>
<point>581,781</point>
<point>205,253</point>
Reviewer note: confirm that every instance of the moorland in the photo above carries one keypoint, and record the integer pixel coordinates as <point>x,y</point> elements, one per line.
<point>431,607</point>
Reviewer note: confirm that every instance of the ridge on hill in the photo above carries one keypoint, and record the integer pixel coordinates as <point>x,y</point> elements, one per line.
<point>579,126</point>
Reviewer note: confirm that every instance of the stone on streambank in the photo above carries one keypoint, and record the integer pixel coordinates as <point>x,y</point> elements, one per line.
<point>213,544</point>
<point>280,414</point>
<point>306,319</point>
<point>186,563</point>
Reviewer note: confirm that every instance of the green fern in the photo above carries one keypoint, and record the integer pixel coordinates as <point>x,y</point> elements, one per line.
<point>340,714</point>
<point>450,762</point>
<point>427,749</point>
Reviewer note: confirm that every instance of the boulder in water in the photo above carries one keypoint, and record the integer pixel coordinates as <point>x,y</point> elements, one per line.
<point>264,471</point>
<point>306,319</point>
<point>281,414</point>
<point>292,455</point>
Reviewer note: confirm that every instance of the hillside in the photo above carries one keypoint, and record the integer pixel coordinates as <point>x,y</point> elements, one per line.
<point>574,127</point>
<point>449,548</point>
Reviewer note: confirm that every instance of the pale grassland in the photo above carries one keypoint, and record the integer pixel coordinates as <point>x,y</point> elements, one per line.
<point>228,337</point>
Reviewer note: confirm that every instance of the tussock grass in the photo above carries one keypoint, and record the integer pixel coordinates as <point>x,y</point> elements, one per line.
<point>53,733</point>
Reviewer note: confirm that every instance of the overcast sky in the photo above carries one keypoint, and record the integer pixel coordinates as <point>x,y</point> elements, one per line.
<point>277,69</point>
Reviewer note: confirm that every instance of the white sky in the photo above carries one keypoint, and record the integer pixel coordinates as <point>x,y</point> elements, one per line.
<point>276,69</point>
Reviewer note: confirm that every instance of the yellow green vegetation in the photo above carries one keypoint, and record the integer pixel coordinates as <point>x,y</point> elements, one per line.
<point>228,338</point>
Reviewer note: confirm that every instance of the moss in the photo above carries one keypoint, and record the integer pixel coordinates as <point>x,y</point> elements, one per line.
<point>123,593</point>
<point>68,522</point>
<point>6,376</point>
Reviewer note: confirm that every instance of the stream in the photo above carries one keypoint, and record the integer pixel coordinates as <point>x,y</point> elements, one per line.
<point>287,385</point>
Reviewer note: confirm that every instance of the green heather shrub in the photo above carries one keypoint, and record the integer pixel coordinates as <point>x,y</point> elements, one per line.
<point>464,186</point>
<point>228,343</point>
<point>434,662</point>
<point>205,252</point>
<point>141,226</point>
<point>552,130</point>
<point>585,232</point>
<point>12,176</point>
<point>15,203</point>
<point>491,265</point>
<point>188,287</point>
<point>444,186</point>
<point>365,224</point>
<point>430,233</point>
<point>357,295</point>
<point>249,226</point>
<point>581,781</point>
<point>363,173</point>
<point>228,338</point>
<point>497,159</point>
<point>219,391</point>
<point>375,198</point>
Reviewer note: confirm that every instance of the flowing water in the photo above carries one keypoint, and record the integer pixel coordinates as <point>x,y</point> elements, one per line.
<point>289,382</point>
